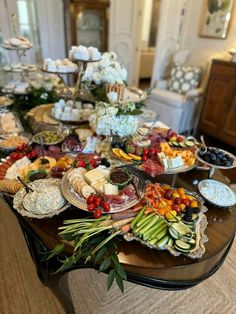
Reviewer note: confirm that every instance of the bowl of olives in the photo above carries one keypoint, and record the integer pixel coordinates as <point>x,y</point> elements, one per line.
<point>216,157</point>
<point>48,138</point>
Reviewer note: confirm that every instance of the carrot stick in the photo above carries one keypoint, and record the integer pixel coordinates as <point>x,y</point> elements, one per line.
<point>137,207</point>
<point>125,228</point>
<point>148,210</point>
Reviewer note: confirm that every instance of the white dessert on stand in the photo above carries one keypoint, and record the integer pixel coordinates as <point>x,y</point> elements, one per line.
<point>71,111</point>
<point>59,66</point>
<point>17,43</point>
<point>83,53</point>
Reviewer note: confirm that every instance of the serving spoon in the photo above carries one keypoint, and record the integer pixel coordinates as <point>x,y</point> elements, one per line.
<point>26,186</point>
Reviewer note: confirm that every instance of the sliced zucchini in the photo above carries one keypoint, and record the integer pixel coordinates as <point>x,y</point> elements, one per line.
<point>182,245</point>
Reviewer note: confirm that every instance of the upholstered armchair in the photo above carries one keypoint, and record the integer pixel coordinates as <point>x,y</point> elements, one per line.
<point>179,101</point>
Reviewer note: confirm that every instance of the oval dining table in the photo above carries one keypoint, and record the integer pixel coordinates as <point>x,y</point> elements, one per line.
<point>144,266</point>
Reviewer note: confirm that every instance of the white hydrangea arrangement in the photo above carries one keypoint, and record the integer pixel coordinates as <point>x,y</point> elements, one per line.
<point>107,71</point>
<point>112,119</point>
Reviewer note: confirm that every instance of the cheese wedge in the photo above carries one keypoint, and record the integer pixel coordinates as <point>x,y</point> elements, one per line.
<point>93,176</point>
<point>110,189</point>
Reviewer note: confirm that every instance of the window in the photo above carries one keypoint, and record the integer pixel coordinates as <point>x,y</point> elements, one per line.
<point>29,26</point>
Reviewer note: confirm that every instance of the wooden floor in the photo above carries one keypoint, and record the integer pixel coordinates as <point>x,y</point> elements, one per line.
<point>22,292</point>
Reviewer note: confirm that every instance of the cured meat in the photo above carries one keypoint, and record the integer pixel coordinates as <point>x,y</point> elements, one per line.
<point>116,199</point>
<point>129,191</point>
<point>152,168</point>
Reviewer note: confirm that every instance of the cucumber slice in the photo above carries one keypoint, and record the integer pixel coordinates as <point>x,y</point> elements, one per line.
<point>175,143</point>
<point>188,240</point>
<point>194,216</point>
<point>174,233</point>
<point>162,243</point>
<point>181,250</point>
<point>188,223</point>
<point>170,242</point>
<point>170,143</point>
<point>182,144</point>
<point>181,228</point>
<point>182,245</point>
<point>189,143</point>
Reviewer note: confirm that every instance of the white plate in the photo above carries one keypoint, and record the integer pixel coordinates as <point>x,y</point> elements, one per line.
<point>217,193</point>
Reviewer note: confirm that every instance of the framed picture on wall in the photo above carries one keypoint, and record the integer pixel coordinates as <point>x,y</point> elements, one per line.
<point>215,18</point>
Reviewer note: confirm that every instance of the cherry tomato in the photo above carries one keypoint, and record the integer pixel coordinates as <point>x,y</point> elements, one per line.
<point>98,201</point>
<point>81,163</point>
<point>90,199</point>
<point>145,151</point>
<point>144,158</point>
<point>143,201</point>
<point>19,148</point>
<point>177,208</point>
<point>106,206</point>
<point>186,202</point>
<point>178,200</point>
<point>97,213</point>
<point>21,155</point>
<point>168,194</point>
<point>24,145</point>
<point>91,207</point>
<point>29,155</point>
<point>179,139</point>
<point>151,152</point>
<point>34,154</point>
<point>14,156</point>
<point>93,163</point>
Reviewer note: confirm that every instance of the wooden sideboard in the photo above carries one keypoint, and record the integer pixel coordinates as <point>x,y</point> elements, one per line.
<point>218,117</point>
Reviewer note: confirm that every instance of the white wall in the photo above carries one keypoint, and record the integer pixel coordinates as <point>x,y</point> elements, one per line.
<point>181,32</point>
<point>191,40</point>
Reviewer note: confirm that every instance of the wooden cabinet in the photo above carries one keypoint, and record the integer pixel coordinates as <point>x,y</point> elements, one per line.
<point>218,117</point>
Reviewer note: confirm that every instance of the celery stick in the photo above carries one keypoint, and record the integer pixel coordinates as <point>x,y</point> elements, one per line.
<point>145,222</point>
<point>170,242</point>
<point>162,227</point>
<point>138,217</point>
<point>148,216</point>
<point>152,230</point>
<point>161,234</point>
<point>162,243</point>
<point>153,241</point>
<point>149,225</point>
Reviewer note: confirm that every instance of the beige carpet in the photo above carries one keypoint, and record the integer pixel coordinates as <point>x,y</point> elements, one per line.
<point>22,292</point>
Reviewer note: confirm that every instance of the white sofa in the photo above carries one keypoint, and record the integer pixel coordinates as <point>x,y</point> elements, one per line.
<point>182,112</point>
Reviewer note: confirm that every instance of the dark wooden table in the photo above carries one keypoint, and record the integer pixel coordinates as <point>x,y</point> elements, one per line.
<point>156,269</point>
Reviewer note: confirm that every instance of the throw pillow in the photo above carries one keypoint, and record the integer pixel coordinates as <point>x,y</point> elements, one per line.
<point>184,78</point>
